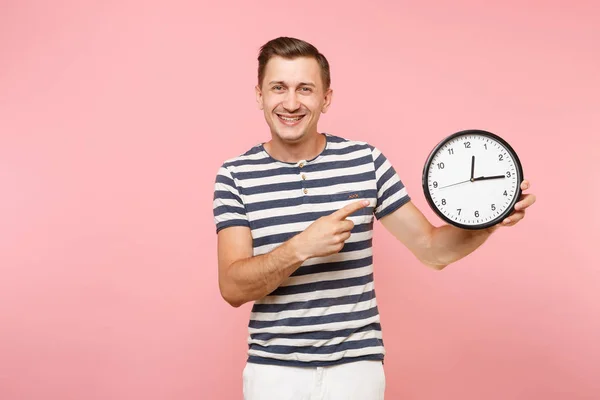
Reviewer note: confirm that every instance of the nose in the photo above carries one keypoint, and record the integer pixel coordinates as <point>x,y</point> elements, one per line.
<point>291,103</point>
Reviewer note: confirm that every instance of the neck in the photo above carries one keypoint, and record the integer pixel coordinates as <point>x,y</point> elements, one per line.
<point>306,149</point>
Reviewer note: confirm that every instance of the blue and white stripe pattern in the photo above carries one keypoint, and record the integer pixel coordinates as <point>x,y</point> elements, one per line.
<point>326,311</point>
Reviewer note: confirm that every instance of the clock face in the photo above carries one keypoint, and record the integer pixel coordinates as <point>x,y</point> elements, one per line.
<point>472,179</point>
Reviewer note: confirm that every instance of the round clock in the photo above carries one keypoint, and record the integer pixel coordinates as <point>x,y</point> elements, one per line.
<point>472,179</point>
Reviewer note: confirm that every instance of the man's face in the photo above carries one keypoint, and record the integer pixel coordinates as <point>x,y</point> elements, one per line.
<point>292,97</point>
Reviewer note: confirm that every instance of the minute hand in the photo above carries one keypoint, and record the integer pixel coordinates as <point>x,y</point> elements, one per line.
<point>484,178</point>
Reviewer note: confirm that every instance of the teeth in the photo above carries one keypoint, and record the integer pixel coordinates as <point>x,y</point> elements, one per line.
<point>290,119</point>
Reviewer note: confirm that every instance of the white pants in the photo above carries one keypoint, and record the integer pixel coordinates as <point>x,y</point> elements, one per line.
<point>360,380</point>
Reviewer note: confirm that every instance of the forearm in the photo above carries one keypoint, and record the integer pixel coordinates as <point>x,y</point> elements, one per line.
<point>450,244</point>
<point>255,277</point>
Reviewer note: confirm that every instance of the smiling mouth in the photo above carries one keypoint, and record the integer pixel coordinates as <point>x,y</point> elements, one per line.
<point>290,120</point>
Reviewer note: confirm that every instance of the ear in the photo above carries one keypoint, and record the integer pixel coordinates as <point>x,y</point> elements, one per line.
<point>259,97</point>
<point>328,97</point>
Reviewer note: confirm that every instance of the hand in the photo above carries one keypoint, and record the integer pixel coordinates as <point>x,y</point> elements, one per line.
<point>485,178</point>
<point>472,167</point>
<point>480,178</point>
<point>454,184</point>
<point>524,202</point>
<point>327,234</point>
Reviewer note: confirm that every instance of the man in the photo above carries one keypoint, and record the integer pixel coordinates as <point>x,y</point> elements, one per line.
<point>294,218</point>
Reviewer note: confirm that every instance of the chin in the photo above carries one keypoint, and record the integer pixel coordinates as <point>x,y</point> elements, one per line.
<point>290,136</point>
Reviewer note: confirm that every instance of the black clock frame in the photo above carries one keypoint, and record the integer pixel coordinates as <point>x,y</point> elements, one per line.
<point>518,167</point>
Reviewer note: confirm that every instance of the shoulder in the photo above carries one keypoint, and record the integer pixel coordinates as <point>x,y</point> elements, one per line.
<point>244,161</point>
<point>343,145</point>
<point>250,154</point>
<point>340,142</point>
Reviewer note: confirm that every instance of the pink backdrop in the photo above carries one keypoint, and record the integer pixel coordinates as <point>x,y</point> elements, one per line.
<point>114,117</point>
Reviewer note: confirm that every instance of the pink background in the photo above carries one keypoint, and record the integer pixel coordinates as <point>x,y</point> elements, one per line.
<point>115,116</point>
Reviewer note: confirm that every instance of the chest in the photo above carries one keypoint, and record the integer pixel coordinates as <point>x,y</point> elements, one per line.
<point>288,201</point>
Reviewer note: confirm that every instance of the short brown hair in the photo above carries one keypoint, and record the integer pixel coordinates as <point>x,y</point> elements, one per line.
<point>288,47</point>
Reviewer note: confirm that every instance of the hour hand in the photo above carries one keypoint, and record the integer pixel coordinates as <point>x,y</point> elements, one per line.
<point>485,178</point>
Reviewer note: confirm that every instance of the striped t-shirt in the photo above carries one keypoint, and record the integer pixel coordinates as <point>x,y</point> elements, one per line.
<point>326,312</point>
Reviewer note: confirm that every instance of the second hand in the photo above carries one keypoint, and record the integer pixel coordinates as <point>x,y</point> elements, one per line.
<point>457,183</point>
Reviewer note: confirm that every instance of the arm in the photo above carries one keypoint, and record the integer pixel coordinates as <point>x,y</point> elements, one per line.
<point>242,277</point>
<point>438,247</point>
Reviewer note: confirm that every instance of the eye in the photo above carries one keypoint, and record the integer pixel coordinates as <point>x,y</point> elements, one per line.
<point>306,89</point>
<point>277,87</point>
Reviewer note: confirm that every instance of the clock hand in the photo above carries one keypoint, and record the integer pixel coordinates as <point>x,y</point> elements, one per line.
<point>480,178</point>
<point>485,178</point>
<point>472,167</point>
<point>457,183</point>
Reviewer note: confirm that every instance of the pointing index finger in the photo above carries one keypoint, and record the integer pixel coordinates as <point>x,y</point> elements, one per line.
<point>345,211</point>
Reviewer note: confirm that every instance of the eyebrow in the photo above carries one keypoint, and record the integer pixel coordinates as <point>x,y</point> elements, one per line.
<point>299,84</point>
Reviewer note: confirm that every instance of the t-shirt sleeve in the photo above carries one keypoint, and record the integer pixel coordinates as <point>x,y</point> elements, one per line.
<point>228,208</point>
<point>391,193</point>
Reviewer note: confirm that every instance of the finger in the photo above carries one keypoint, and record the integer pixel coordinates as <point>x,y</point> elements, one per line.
<point>526,201</point>
<point>345,226</point>
<point>344,212</point>
<point>344,236</point>
<point>525,184</point>
<point>513,218</point>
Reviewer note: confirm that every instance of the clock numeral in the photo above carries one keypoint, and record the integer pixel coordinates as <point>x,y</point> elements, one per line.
<point>506,194</point>
<point>441,165</point>
<point>493,207</point>
<point>450,151</point>
<point>444,202</point>
<point>500,158</point>
<point>485,145</point>
<point>477,214</point>
<point>467,145</point>
<point>508,174</point>
<point>459,210</point>
<point>435,184</point>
